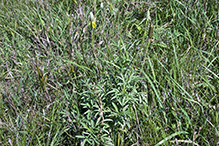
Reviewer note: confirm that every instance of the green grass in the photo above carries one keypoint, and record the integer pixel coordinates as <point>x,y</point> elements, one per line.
<point>63,82</point>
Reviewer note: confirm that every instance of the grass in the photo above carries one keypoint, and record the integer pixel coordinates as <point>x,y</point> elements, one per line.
<point>145,74</point>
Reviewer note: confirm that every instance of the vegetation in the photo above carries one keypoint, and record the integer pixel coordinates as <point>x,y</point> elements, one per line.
<point>103,72</point>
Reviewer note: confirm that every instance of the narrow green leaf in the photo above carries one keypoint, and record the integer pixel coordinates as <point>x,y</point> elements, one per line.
<point>171,136</point>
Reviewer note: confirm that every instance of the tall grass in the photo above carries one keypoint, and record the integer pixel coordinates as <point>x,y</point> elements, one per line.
<point>145,74</point>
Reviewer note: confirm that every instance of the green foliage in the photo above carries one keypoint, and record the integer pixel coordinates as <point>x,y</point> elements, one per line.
<point>146,74</point>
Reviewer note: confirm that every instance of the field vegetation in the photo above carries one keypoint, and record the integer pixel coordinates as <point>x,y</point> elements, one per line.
<point>109,72</point>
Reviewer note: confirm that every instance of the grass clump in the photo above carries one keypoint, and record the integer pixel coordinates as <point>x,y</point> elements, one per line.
<point>119,72</point>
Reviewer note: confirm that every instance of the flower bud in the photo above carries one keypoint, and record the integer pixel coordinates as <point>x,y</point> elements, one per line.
<point>92,17</point>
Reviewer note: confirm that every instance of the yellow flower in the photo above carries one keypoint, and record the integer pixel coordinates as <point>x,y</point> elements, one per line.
<point>93,23</point>
<point>93,20</point>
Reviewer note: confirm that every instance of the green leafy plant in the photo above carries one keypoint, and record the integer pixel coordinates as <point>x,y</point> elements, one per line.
<point>105,72</point>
